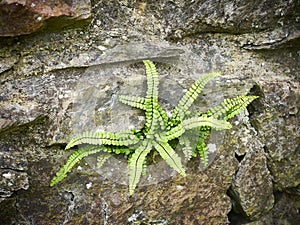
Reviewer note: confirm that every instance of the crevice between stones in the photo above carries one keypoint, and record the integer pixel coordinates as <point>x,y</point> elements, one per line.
<point>237,216</point>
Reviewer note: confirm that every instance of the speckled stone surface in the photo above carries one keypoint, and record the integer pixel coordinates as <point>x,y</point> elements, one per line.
<point>56,84</point>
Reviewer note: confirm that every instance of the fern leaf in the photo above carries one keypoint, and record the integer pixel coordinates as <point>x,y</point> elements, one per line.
<point>195,122</point>
<point>102,158</point>
<point>104,138</point>
<point>152,94</point>
<point>136,102</point>
<point>175,132</point>
<point>140,103</point>
<point>202,150</point>
<point>187,143</point>
<point>190,96</point>
<point>170,156</point>
<point>163,117</point>
<point>231,107</point>
<point>136,163</point>
<point>152,80</point>
<point>73,159</point>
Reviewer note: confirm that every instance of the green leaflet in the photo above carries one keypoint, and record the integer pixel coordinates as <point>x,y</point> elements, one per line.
<point>136,102</point>
<point>136,164</point>
<point>73,159</point>
<point>151,97</point>
<point>190,96</point>
<point>170,156</point>
<point>104,138</point>
<point>231,107</point>
<point>160,132</point>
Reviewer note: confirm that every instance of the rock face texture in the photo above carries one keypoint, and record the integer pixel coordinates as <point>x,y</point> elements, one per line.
<point>18,17</point>
<point>56,84</point>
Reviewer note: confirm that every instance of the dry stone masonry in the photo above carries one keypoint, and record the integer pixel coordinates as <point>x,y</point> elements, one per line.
<point>63,64</point>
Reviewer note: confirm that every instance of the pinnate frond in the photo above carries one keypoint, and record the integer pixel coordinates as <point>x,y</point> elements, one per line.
<point>230,107</point>
<point>136,102</point>
<point>187,143</point>
<point>104,138</point>
<point>190,96</point>
<point>202,121</point>
<point>136,163</point>
<point>151,100</point>
<point>102,158</point>
<point>170,156</point>
<point>202,150</point>
<point>74,158</point>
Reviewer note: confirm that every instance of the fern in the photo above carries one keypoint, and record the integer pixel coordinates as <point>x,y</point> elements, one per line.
<point>159,131</point>
<point>230,107</point>
<point>136,102</point>
<point>102,158</point>
<point>136,164</point>
<point>190,96</point>
<point>170,156</point>
<point>73,159</point>
<point>104,138</point>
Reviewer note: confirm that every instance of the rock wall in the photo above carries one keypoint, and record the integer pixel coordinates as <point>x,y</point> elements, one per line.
<point>58,82</point>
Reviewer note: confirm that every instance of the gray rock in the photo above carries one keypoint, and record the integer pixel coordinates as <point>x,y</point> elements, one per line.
<point>278,124</point>
<point>54,85</point>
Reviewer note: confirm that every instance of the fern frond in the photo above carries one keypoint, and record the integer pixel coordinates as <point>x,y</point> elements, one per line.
<point>136,163</point>
<point>152,80</point>
<point>102,158</point>
<point>152,94</point>
<point>202,150</point>
<point>187,143</point>
<point>136,102</point>
<point>190,96</point>
<point>140,103</point>
<point>170,156</point>
<point>175,132</point>
<point>164,119</point>
<point>74,158</point>
<point>104,138</point>
<point>196,122</point>
<point>231,107</point>
<point>202,121</point>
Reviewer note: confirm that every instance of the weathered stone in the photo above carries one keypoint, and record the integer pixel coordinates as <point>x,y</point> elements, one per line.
<point>191,18</point>
<point>252,187</point>
<point>53,85</point>
<point>7,62</point>
<point>20,17</point>
<point>278,124</point>
<point>12,181</point>
<point>285,211</point>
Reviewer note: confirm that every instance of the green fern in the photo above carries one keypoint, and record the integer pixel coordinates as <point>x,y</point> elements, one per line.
<point>73,159</point>
<point>230,107</point>
<point>104,138</point>
<point>190,96</point>
<point>159,130</point>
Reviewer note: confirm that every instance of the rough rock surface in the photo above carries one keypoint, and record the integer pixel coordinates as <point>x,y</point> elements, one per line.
<point>53,85</point>
<point>18,17</point>
<point>252,187</point>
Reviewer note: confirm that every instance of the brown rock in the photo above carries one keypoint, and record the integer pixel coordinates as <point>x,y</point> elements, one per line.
<point>20,17</point>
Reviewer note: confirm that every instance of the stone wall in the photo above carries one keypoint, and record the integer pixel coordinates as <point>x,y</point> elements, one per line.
<point>57,82</point>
